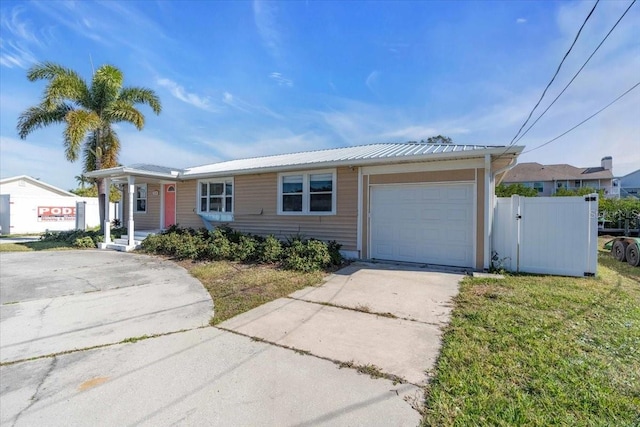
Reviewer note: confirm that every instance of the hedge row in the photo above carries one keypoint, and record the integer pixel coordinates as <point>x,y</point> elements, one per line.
<point>224,243</point>
<point>80,238</point>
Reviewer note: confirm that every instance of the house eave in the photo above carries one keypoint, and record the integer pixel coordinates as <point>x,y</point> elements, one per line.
<point>431,157</point>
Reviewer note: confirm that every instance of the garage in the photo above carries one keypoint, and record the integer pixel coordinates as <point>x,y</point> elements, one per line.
<point>423,223</point>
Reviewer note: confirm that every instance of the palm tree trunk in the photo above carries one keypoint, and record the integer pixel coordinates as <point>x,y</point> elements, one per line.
<point>102,192</point>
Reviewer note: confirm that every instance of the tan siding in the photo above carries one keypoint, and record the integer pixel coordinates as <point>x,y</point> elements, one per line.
<point>256,204</point>
<point>186,195</point>
<point>414,177</point>
<point>480,220</point>
<point>149,220</point>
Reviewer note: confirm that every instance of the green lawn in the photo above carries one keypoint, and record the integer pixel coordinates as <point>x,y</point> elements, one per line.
<point>542,350</point>
<point>236,288</point>
<point>34,246</point>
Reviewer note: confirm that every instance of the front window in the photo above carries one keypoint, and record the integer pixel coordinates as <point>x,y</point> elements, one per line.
<point>140,198</point>
<point>216,196</point>
<point>307,193</point>
<point>538,186</point>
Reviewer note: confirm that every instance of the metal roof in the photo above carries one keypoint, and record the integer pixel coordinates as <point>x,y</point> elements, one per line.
<point>356,155</point>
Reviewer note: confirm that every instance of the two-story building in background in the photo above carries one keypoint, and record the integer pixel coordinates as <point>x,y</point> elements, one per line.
<point>548,179</point>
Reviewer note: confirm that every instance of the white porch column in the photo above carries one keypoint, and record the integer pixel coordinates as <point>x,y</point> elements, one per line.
<point>132,191</point>
<point>488,212</point>
<point>107,220</point>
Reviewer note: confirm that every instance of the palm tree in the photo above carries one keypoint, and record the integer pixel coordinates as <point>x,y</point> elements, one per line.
<point>82,180</point>
<point>88,113</point>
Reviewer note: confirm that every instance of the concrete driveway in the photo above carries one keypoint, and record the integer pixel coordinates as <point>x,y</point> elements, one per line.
<point>385,316</point>
<point>58,305</point>
<point>59,301</point>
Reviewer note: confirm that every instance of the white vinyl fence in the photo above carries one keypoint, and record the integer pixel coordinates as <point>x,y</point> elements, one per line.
<point>546,235</point>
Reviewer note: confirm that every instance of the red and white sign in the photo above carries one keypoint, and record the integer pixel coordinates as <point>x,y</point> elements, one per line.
<point>56,213</point>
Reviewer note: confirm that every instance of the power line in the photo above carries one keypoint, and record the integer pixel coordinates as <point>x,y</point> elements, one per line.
<point>576,75</point>
<point>585,120</point>
<point>556,73</point>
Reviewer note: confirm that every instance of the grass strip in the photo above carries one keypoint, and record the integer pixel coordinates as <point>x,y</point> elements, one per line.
<point>541,350</point>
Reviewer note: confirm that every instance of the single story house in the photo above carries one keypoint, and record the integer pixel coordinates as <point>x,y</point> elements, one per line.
<point>28,205</point>
<point>412,202</point>
<point>548,179</point>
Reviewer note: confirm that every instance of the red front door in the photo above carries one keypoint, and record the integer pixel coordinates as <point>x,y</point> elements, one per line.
<point>169,205</point>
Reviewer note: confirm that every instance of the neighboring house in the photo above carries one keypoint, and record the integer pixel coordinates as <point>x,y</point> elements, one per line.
<point>28,205</point>
<point>548,179</point>
<point>410,202</point>
<point>630,185</point>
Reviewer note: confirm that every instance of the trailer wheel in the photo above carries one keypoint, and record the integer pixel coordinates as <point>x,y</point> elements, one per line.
<point>619,250</point>
<point>633,257</point>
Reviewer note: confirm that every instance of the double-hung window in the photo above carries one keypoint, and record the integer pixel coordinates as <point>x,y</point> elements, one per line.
<point>308,193</point>
<point>216,199</point>
<point>140,198</point>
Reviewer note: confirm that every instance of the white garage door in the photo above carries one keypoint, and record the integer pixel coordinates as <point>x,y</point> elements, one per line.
<point>425,223</point>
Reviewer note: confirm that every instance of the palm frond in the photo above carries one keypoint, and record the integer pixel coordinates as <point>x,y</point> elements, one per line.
<point>110,148</point>
<point>140,95</point>
<point>49,71</point>
<point>65,87</point>
<point>79,123</point>
<point>106,86</point>
<point>89,152</point>
<point>37,117</point>
<point>121,111</point>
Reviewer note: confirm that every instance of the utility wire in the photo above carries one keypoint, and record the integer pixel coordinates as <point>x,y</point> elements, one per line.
<point>585,120</point>
<point>556,73</point>
<point>576,75</point>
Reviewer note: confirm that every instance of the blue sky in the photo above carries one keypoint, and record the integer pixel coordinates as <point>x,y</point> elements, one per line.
<point>243,79</point>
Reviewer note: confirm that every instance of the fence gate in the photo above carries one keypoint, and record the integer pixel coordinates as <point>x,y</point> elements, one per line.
<point>547,235</point>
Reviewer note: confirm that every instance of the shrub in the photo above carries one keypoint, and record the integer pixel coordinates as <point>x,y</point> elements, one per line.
<point>218,246</point>
<point>225,243</point>
<point>245,249</point>
<point>334,252</point>
<point>311,255</point>
<point>84,242</point>
<point>270,250</point>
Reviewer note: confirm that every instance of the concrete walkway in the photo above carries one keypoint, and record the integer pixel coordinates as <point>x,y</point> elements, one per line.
<point>383,315</point>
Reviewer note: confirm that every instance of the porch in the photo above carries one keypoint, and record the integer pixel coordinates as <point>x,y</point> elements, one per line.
<point>123,244</point>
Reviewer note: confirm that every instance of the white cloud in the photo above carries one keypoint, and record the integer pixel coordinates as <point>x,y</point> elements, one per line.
<point>204,103</point>
<point>264,15</point>
<point>141,147</point>
<point>372,80</point>
<point>521,21</point>
<point>265,142</point>
<point>247,107</point>
<point>18,38</point>
<point>46,162</point>
<point>280,79</point>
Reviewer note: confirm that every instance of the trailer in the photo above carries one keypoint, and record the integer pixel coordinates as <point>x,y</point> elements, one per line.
<point>625,249</point>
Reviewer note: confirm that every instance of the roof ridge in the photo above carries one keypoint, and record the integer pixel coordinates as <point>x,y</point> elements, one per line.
<point>323,150</point>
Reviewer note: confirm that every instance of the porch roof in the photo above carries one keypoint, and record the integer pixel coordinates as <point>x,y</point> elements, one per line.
<point>153,172</point>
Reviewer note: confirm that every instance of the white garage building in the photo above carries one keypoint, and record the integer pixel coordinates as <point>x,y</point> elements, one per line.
<point>28,205</point>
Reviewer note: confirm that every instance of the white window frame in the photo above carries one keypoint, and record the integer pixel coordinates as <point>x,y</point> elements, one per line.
<point>136,198</point>
<point>224,216</point>
<point>306,194</point>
